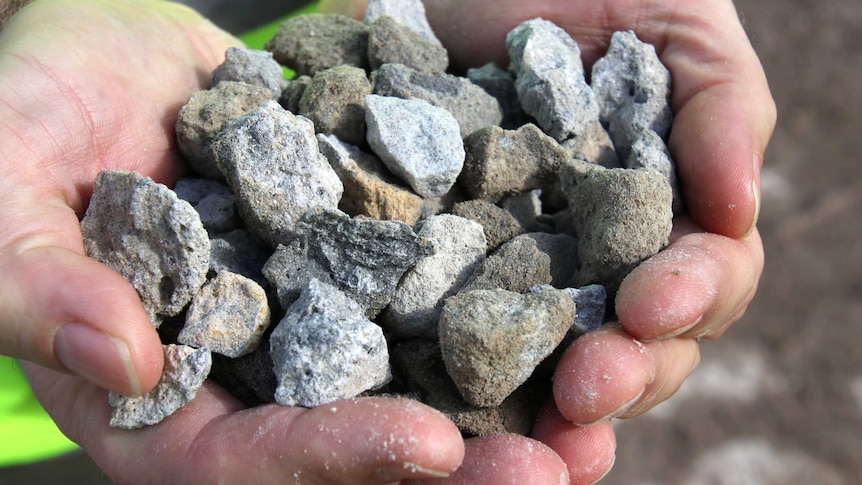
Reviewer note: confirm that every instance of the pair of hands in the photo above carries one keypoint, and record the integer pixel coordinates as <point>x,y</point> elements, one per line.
<point>95,84</point>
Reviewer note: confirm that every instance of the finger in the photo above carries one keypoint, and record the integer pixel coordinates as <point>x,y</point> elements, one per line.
<point>589,452</point>
<point>357,441</point>
<point>695,287</point>
<point>607,374</point>
<point>506,459</point>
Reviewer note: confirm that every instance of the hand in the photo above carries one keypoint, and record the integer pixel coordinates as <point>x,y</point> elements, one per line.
<point>92,84</point>
<point>703,282</point>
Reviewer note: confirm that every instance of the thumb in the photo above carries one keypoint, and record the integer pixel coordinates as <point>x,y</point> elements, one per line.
<point>67,312</point>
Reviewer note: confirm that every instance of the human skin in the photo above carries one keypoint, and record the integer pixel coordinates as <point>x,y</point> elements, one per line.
<point>92,84</point>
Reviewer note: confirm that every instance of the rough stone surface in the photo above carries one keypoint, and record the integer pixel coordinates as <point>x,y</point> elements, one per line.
<point>460,247</point>
<point>469,103</point>
<point>517,266</point>
<point>213,201</point>
<point>239,252</point>
<point>525,207</point>
<point>390,42</point>
<point>324,349</point>
<point>250,378</point>
<point>335,102</point>
<point>492,340</point>
<point>562,250</point>
<point>650,151</point>
<point>204,116</point>
<point>621,216</point>
<point>292,93</point>
<point>594,146</point>
<point>500,84</point>
<point>417,141</point>
<point>314,42</point>
<point>410,13</point>
<point>228,315</point>
<point>272,162</point>
<point>501,162</point>
<point>590,305</point>
<point>185,370</point>
<point>156,241</point>
<point>369,188</point>
<point>290,269</point>
<point>498,224</point>
<point>550,78</point>
<point>250,66</point>
<point>633,88</point>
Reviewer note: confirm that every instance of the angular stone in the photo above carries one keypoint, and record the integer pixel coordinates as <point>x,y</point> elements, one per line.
<point>213,201</point>
<point>621,216</point>
<point>185,370</point>
<point>314,42</point>
<point>365,258</point>
<point>593,146</point>
<point>156,241</point>
<point>369,188</point>
<point>525,207</point>
<point>650,151</point>
<point>498,224</point>
<point>204,116</point>
<point>633,88</point>
<point>272,162</point>
<point>549,77</point>
<point>228,316</point>
<point>459,248</point>
<point>250,66</point>
<point>239,252</point>
<point>500,162</point>
<point>289,271</point>
<point>324,350</point>
<point>410,13</point>
<point>250,378</point>
<point>292,93</point>
<point>335,102</point>
<point>492,340</point>
<point>517,266</point>
<point>590,304</point>
<point>562,250</point>
<point>468,103</point>
<point>390,42</point>
<point>500,84</point>
<point>417,141</point>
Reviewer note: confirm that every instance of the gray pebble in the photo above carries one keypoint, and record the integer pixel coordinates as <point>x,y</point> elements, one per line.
<point>525,207</point>
<point>290,269</point>
<point>156,241</point>
<point>459,248</point>
<point>204,116</point>
<point>468,103</point>
<point>292,93</point>
<point>410,13</point>
<point>550,78</point>
<point>185,370</point>
<point>239,252</point>
<point>228,315</point>
<point>314,42</point>
<point>417,141</point>
<point>324,350</point>
<point>335,102</point>
<point>517,266</point>
<point>213,201</point>
<point>590,303</point>
<point>492,340</point>
<point>650,151</point>
<point>498,224</point>
<point>272,162</point>
<point>250,66</point>
<point>390,42</point>
<point>500,84</point>
<point>562,250</point>
<point>633,88</point>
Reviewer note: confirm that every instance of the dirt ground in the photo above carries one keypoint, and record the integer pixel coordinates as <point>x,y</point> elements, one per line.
<point>778,399</point>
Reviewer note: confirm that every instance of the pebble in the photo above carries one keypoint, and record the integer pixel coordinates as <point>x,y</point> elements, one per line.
<point>240,252</point>
<point>292,93</point>
<point>390,42</point>
<point>314,42</point>
<point>184,373</point>
<point>334,101</point>
<point>498,224</point>
<point>324,350</point>
<point>213,201</point>
<point>590,305</point>
<point>417,141</point>
<point>250,66</point>
<point>650,151</point>
<point>517,266</point>
<point>500,84</point>
<point>562,251</point>
<point>228,315</point>
<point>410,13</point>
<point>144,232</point>
<point>272,162</point>
<point>593,146</point>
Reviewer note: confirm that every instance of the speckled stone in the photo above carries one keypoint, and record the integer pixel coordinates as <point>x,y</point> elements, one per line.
<point>314,42</point>
<point>390,42</point>
<point>250,66</point>
<point>410,13</point>
<point>517,266</point>
<point>335,102</point>
<point>498,224</point>
<point>213,200</point>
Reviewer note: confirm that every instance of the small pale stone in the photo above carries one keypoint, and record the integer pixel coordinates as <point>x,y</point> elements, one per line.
<point>314,42</point>
<point>390,42</point>
<point>335,102</point>
<point>459,248</point>
<point>650,151</point>
<point>550,78</point>
<point>590,302</point>
<point>290,269</point>
<point>273,164</point>
<point>324,350</point>
<point>184,373</point>
<point>499,225</point>
<point>213,201</point>
<point>417,141</point>
<point>250,66</point>
<point>517,266</point>
<point>492,340</point>
<point>156,241</point>
<point>228,315</point>
<point>410,13</point>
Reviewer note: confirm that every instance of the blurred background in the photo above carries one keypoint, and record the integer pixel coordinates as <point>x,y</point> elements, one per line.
<point>778,399</point>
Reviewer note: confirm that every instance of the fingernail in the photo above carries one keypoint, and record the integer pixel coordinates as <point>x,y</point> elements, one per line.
<point>616,412</point>
<point>610,467</point>
<point>407,470</point>
<point>755,190</point>
<point>97,357</point>
<point>677,332</point>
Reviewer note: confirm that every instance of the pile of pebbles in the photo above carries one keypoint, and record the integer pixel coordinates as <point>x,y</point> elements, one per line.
<point>378,226</point>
